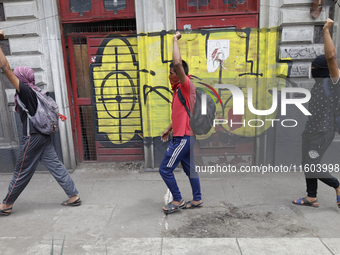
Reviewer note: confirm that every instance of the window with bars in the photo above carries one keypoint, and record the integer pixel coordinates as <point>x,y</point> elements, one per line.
<point>82,90</point>
<point>199,7</point>
<point>87,133</point>
<point>127,25</point>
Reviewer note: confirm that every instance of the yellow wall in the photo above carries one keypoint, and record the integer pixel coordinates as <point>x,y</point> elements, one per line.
<point>251,63</point>
<point>115,80</point>
<point>262,51</point>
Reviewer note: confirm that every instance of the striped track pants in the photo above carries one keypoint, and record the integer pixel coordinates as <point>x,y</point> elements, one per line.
<point>180,150</point>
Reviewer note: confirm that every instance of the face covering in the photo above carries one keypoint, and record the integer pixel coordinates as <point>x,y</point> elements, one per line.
<point>173,79</point>
<point>321,67</point>
<point>320,72</point>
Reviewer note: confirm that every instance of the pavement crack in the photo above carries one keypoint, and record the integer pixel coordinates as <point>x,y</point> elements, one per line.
<point>92,186</point>
<point>225,194</point>
<point>106,225</point>
<point>326,246</point>
<point>238,195</point>
<point>238,245</point>
<point>162,246</point>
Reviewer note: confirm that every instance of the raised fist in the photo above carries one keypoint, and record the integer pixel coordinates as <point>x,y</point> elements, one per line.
<point>328,23</point>
<point>178,35</point>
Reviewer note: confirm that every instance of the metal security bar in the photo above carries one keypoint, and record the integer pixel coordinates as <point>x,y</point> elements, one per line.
<point>220,7</point>
<point>126,25</point>
<point>81,88</point>
<point>87,133</point>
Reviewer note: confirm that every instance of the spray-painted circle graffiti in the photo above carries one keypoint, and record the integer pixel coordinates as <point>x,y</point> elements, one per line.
<point>118,98</point>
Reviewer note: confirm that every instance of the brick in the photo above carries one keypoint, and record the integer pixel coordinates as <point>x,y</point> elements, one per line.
<point>32,61</point>
<point>298,34</point>
<point>20,28</point>
<point>300,69</point>
<point>10,95</point>
<point>297,2</point>
<point>40,77</point>
<point>26,45</point>
<point>302,16</point>
<point>20,10</point>
<point>304,52</point>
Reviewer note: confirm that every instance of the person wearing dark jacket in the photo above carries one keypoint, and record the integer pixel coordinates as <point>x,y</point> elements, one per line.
<point>319,131</point>
<point>35,147</point>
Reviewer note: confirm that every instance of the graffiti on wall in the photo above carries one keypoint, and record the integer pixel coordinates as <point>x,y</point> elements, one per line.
<point>243,68</point>
<point>115,80</point>
<point>133,95</point>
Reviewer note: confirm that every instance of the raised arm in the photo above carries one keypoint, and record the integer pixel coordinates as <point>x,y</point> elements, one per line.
<point>330,51</point>
<point>177,59</point>
<point>6,68</point>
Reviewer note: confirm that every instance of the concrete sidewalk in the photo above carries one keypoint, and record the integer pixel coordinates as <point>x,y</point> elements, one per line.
<point>122,214</point>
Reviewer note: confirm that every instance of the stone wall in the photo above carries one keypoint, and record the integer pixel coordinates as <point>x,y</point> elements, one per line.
<point>301,41</point>
<point>33,36</point>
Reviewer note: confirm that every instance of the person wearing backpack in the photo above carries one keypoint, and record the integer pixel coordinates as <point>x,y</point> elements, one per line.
<point>320,127</point>
<point>35,147</point>
<point>181,146</point>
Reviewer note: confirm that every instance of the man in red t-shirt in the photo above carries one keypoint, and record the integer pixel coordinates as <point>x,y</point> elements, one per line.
<point>181,146</point>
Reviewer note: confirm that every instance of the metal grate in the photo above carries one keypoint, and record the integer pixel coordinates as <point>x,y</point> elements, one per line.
<point>108,26</point>
<point>81,79</point>
<point>191,7</point>
<point>87,133</point>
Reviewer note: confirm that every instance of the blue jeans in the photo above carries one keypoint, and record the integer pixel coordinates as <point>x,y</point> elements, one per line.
<point>180,150</point>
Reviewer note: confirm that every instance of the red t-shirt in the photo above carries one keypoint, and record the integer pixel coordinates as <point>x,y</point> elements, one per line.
<point>180,118</point>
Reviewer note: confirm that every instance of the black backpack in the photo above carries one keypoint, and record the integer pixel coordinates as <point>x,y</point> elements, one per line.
<point>200,124</point>
<point>334,105</point>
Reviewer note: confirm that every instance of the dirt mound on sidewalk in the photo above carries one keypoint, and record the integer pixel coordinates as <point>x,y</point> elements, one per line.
<point>245,222</point>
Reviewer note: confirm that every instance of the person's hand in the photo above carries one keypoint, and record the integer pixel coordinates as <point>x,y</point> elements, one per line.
<point>328,24</point>
<point>165,135</point>
<point>177,35</point>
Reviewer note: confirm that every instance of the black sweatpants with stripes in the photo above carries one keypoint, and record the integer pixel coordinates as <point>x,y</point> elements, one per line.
<point>34,149</point>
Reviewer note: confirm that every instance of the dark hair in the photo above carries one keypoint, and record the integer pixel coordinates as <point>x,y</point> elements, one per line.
<point>320,61</point>
<point>185,67</point>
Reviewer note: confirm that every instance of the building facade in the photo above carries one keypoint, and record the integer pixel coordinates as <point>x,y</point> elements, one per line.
<point>107,63</point>
<point>33,39</point>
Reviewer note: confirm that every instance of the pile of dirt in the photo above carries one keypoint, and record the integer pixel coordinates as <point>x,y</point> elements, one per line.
<point>240,223</point>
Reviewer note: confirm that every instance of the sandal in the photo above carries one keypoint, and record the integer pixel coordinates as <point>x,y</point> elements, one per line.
<point>192,205</point>
<point>75,203</point>
<point>5,211</point>
<point>304,201</point>
<point>173,208</point>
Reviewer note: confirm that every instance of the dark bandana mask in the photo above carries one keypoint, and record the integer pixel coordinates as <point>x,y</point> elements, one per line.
<point>321,67</point>
<point>320,72</point>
